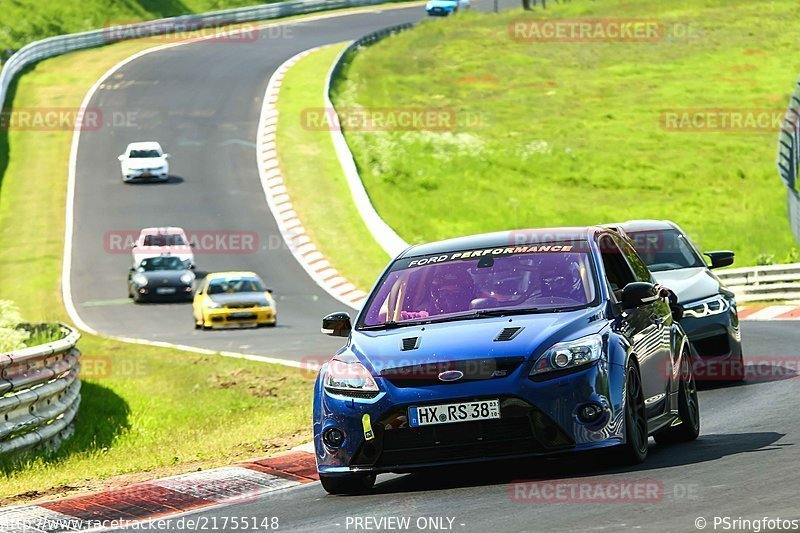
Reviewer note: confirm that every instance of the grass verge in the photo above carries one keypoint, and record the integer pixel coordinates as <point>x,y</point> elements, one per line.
<point>146,411</point>
<point>314,179</point>
<point>570,133</point>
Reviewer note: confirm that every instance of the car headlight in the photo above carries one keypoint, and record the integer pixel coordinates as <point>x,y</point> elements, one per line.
<point>570,354</point>
<point>187,278</point>
<point>211,304</point>
<point>429,5</point>
<point>710,306</point>
<point>140,279</point>
<point>349,375</point>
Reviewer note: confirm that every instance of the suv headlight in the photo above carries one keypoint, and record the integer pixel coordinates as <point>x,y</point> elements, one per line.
<point>570,354</point>
<point>348,375</point>
<point>710,306</point>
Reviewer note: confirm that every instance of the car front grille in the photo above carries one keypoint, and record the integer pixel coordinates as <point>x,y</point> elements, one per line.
<point>422,375</point>
<point>522,429</point>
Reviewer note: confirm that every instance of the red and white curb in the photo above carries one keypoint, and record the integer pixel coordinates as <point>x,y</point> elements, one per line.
<point>280,203</point>
<point>166,497</point>
<point>769,312</point>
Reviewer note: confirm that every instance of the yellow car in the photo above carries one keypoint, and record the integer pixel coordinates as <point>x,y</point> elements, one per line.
<point>233,299</point>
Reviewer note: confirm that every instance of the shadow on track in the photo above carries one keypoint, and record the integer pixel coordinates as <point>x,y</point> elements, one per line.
<point>706,448</point>
<point>171,180</point>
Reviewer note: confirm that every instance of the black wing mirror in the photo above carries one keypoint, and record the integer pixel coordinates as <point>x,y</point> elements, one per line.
<point>639,293</point>
<point>721,258</point>
<point>337,325</point>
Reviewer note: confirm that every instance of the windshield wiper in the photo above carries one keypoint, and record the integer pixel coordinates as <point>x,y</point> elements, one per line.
<point>480,313</point>
<point>388,325</point>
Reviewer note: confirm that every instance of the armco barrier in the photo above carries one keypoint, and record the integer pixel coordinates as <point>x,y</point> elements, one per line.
<point>53,46</point>
<point>789,159</point>
<point>773,282</point>
<point>39,392</point>
<point>383,234</point>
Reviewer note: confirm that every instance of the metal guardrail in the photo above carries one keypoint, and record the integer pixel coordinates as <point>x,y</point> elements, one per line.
<point>773,282</point>
<point>383,234</point>
<point>789,159</point>
<point>39,392</point>
<point>53,46</point>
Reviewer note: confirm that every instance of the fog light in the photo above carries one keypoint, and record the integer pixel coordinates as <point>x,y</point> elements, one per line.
<point>590,412</point>
<point>333,437</point>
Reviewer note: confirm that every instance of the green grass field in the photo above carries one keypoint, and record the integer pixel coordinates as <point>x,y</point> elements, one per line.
<point>315,180</point>
<point>145,411</point>
<point>570,133</point>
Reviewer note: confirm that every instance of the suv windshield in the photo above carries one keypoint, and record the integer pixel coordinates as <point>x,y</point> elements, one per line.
<point>666,249</point>
<point>483,282</point>
<point>140,154</point>
<point>229,286</point>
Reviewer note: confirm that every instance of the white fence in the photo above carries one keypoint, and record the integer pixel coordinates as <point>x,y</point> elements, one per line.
<point>383,234</point>
<point>773,282</point>
<point>39,392</point>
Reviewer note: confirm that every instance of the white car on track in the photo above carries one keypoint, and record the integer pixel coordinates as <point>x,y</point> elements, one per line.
<point>154,242</point>
<point>144,161</point>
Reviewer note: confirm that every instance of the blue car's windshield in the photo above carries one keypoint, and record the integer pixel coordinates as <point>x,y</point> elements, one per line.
<point>547,277</point>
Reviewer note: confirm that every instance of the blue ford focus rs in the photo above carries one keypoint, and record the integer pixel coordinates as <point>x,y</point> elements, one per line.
<point>504,345</point>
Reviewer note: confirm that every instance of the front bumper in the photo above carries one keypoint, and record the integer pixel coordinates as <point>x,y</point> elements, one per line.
<point>439,11</point>
<point>145,175</point>
<point>714,337</point>
<point>715,343</point>
<point>239,317</point>
<point>537,418</point>
<point>180,293</point>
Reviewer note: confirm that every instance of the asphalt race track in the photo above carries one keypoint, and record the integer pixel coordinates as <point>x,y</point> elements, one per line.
<point>201,101</point>
<point>742,465</point>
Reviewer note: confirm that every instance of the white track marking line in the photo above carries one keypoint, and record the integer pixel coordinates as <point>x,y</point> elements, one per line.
<point>31,518</point>
<point>225,484</point>
<point>276,195</point>
<point>769,313</point>
<point>66,265</point>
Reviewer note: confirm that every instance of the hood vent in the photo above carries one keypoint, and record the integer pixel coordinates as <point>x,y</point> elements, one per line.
<point>410,343</point>
<point>507,334</point>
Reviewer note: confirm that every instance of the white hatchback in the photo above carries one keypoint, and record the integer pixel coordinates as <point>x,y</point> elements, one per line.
<point>144,161</point>
<point>154,242</point>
